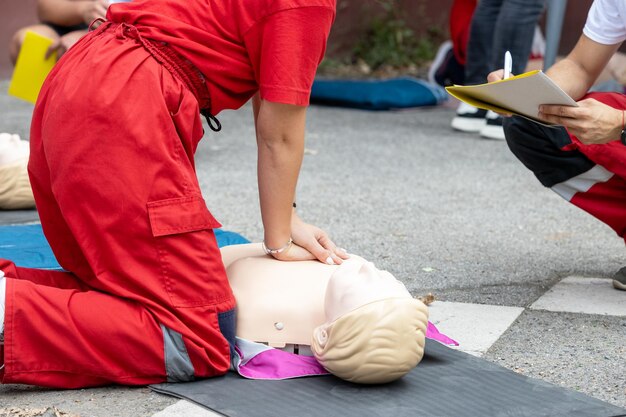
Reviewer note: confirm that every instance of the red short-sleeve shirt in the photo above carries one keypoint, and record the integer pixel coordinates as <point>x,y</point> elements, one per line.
<point>241,46</point>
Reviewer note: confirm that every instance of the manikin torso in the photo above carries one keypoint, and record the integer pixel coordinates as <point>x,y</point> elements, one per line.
<point>282,303</point>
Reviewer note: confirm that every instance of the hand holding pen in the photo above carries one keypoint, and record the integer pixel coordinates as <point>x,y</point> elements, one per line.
<point>505,72</point>
<point>502,74</point>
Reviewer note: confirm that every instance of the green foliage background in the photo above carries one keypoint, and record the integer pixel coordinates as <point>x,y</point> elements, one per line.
<point>389,41</point>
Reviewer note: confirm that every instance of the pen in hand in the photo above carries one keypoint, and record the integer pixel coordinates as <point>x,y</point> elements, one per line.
<point>508,65</point>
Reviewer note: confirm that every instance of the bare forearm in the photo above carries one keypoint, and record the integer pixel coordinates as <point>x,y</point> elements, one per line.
<point>280,141</point>
<point>592,122</point>
<point>62,12</point>
<point>579,70</point>
<point>278,169</point>
<point>571,77</point>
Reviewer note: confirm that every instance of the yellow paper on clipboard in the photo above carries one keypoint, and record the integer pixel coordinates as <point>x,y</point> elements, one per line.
<point>521,95</point>
<point>31,68</point>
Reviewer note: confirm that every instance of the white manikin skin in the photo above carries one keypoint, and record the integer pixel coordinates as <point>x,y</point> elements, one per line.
<point>12,149</point>
<point>282,303</point>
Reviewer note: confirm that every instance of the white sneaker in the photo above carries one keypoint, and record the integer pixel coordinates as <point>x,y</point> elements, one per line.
<point>469,118</point>
<point>492,129</point>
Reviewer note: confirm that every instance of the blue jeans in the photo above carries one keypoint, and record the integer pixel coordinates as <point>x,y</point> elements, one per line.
<point>499,26</point>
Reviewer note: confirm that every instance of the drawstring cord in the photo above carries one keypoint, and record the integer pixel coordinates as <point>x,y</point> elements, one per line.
<point>174,63</point>
<point>211,120</point>
<point>95,24</point>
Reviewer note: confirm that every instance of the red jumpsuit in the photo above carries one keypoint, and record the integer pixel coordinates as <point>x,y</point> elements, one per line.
<point>112,143</point>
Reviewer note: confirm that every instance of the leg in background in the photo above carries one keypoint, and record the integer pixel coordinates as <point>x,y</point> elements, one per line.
<point>514,32</point>
<point>480,45</point>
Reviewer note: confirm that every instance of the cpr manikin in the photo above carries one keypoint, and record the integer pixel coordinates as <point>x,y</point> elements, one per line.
<point>15,190</point>
<point>361,323</point>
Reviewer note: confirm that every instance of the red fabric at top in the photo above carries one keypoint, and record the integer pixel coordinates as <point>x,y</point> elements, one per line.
<point>460,21</point>
<point>241,46</point>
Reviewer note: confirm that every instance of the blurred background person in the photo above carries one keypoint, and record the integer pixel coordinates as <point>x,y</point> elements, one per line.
<point>497,26</point>
<point>63,21</point>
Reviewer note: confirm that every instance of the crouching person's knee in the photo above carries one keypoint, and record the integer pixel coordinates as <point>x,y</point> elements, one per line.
<point>520,138</point>
<point>544,150</point>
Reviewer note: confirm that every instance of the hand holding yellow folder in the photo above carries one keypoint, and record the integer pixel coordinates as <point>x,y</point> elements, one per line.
<point>32,67</point>
<point>521,95</point>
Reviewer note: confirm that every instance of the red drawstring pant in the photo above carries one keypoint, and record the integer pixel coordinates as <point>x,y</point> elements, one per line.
<point>112,143</point>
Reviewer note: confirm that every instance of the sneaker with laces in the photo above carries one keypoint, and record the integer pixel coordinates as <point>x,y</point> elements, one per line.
<point>469,118</point>
<point>619,279</point>
<point>493,127</point>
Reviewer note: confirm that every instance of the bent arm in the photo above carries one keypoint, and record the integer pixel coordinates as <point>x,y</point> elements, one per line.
<point>576,73</point>
<point>62,12</point>
<point>71,12</point>
<point>280,141</point>
<point>592,122</point>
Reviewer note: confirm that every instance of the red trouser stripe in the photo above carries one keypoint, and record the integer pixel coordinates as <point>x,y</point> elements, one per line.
<point>606,200</point>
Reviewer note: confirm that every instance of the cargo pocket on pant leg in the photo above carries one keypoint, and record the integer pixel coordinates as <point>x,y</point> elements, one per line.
<point>190,261</point>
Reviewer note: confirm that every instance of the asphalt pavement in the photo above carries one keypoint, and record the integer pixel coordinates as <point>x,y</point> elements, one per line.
<point>446,213</point>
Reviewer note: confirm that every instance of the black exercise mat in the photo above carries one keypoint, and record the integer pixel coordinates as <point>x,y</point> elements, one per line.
<point>447,383</point>
<point>18,216</point>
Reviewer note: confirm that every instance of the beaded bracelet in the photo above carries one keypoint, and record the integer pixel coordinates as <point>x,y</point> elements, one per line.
<point>279,250</point>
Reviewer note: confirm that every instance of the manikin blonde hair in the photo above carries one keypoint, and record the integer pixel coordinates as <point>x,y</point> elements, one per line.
<point>376,343</point>
<point>15,191</point>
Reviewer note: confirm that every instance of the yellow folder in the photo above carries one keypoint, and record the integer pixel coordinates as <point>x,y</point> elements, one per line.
<point>31,68</point>
<point>521,95</point>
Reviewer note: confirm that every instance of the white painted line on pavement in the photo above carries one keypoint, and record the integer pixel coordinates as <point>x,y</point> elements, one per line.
<point>475,326</point>
<point>185,409</point>
<point>583,295</point>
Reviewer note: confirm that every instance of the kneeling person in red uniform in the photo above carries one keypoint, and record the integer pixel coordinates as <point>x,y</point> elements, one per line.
<point>145,298</point>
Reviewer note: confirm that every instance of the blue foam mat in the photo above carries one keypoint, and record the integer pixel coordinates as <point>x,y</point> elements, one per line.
<point>393,93</point>
<point>27,246</point>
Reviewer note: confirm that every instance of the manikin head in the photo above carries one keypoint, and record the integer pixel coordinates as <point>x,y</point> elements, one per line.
<point>15,191</point>
<point>374,330</point>
<point>12,149</point>
<point>362,323</point>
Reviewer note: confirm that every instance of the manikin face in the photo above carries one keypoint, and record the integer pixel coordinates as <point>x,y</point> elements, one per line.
<point>374,330</point>
<point>12,149</point>
<point>356,283</point>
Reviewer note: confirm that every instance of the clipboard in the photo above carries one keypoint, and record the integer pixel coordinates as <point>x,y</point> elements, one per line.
<point>31,68</point>
<point>520,95</point>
